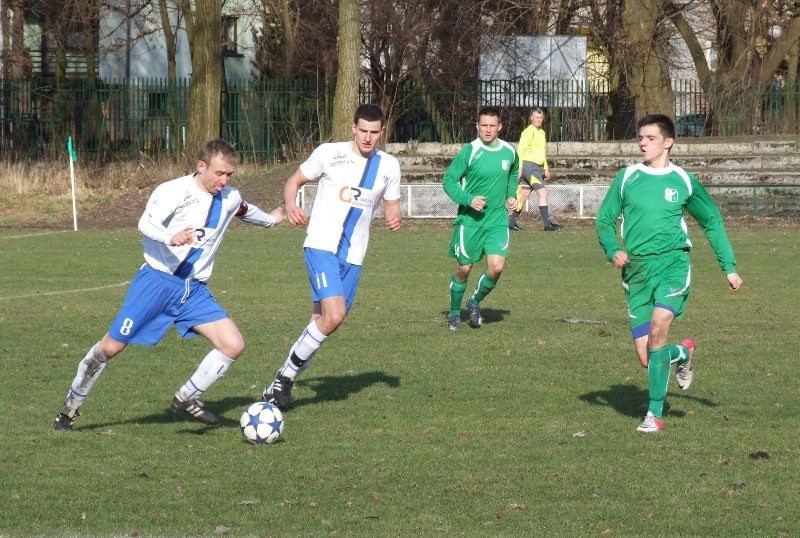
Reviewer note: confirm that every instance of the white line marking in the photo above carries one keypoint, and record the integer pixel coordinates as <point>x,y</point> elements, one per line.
<point>63,292</point>
<point>24,236</point>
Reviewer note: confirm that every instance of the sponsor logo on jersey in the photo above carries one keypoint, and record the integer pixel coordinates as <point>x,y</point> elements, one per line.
<point>356,197</point>
<point>340,158</point>
<point>671,195</point>
<point>188,200</point>
<point>205,236</point>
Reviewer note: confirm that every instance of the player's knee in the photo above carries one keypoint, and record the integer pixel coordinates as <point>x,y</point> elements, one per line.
<point>495,269</point>
<point>236,350</point>
<point>110,347</point>
<point>335,318</point>
<point>232,350</point>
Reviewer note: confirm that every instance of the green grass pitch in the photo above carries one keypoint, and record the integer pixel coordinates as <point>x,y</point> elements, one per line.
<point>522,427</point>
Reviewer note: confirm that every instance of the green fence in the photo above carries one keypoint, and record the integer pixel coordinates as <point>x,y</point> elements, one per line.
<point>279,120</point>
<point>270,120</point>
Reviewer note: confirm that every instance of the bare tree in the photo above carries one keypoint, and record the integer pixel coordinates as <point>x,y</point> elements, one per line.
<point>755,43</point>
<point>16,58</point>
<point>647,56</point>
<point>167,13</point>
<point>345,99</point>
<point>204,30</point>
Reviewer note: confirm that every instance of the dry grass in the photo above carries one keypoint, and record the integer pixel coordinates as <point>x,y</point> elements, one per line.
<point>39,193</point>
<point>53,177</point>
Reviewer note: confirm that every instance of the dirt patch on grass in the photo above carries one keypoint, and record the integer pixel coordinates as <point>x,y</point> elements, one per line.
<point>262,186</point>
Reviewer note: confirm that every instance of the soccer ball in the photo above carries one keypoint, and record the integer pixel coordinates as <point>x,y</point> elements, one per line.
<point>262,423</point>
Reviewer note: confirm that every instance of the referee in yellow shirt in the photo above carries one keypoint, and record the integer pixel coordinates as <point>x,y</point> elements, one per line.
<point>533,171</point>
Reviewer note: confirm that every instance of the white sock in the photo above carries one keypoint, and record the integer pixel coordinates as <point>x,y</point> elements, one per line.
<point>302,351</point>
<point>212,367</point>
<point>89,370</point>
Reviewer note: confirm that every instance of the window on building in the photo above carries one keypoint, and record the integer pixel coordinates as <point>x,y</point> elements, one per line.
<point>230,34</point>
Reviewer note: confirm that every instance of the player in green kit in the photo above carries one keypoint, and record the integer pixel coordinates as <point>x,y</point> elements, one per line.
<point>482,180</point>
<point>656,271</point>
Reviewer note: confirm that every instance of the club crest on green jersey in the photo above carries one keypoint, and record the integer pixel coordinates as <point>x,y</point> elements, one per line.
<point>506,164</point>
<point>671,195</point>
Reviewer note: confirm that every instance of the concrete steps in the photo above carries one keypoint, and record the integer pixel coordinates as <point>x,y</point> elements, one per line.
<point>707,176</point>
<point>737,163</point>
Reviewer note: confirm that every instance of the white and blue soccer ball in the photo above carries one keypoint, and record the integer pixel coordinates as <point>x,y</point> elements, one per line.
<point>262,423</point>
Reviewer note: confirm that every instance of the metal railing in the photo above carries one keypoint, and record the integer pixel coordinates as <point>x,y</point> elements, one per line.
<point>429,201</point>
<point>280,120</point>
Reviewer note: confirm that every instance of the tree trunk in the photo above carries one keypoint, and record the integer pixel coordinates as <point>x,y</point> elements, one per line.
<point>650,83</point>
<point>205,43</point>
<point>20,58</point>
<point>621,115</point>
<point>290,22</point>
<point>345,99</point>
<point>172,76</point>
<point>93,117</point>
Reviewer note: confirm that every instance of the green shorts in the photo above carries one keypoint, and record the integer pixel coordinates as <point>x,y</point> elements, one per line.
<point>470,244</point>
<point>663,281</point>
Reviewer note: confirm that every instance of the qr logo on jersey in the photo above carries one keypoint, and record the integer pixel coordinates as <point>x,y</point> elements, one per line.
<point>671,195</point>
<point>357,197</point>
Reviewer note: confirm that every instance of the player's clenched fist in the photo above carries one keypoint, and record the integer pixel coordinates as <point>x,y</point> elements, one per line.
<point>184,237</point>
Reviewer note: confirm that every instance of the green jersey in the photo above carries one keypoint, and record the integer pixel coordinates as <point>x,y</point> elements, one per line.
<point>481,170</point>
<point>651,202</point>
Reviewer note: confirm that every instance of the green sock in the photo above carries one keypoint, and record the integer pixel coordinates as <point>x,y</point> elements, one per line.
<point>457,290</point>
<point>482,289</point>
<point>658,378</point>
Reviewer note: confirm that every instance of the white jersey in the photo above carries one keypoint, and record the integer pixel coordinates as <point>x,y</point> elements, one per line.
<point>179,204</point>
<point>350,189</point>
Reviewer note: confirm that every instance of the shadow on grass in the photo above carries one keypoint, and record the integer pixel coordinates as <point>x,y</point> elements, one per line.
<point>328,388</point>
<point>631,400</point>
<point>488,315</point>
<point>340,387</point>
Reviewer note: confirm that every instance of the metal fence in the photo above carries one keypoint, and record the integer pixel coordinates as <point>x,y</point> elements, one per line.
<point>429,201</point>
<point>280,120</point>
<point>270,120</point>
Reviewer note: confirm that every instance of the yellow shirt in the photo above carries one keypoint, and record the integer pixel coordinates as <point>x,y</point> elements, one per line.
<point>532,146</point>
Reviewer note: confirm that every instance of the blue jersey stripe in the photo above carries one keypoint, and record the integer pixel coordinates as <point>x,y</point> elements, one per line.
<point>215,211</point>
<point>347,232</point>
<point>370,172</point>
<point>351,219</point>
<point>185,268</point>
<point>212,221</point>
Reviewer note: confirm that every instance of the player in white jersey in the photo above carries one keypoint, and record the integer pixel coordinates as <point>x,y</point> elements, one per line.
<point>182,227</point>
<point>353,177</point>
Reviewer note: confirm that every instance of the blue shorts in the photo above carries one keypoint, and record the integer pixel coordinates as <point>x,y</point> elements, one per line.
<point>155,300</point>
<point>330,276</point>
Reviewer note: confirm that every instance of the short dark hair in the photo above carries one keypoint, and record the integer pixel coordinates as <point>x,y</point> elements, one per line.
<point>664,123</point>
<point>490,111</point>
<point>369,112</point>
<point>214,147</point>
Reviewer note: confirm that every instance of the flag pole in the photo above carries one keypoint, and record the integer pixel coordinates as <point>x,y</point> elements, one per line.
<point>73,156</point>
